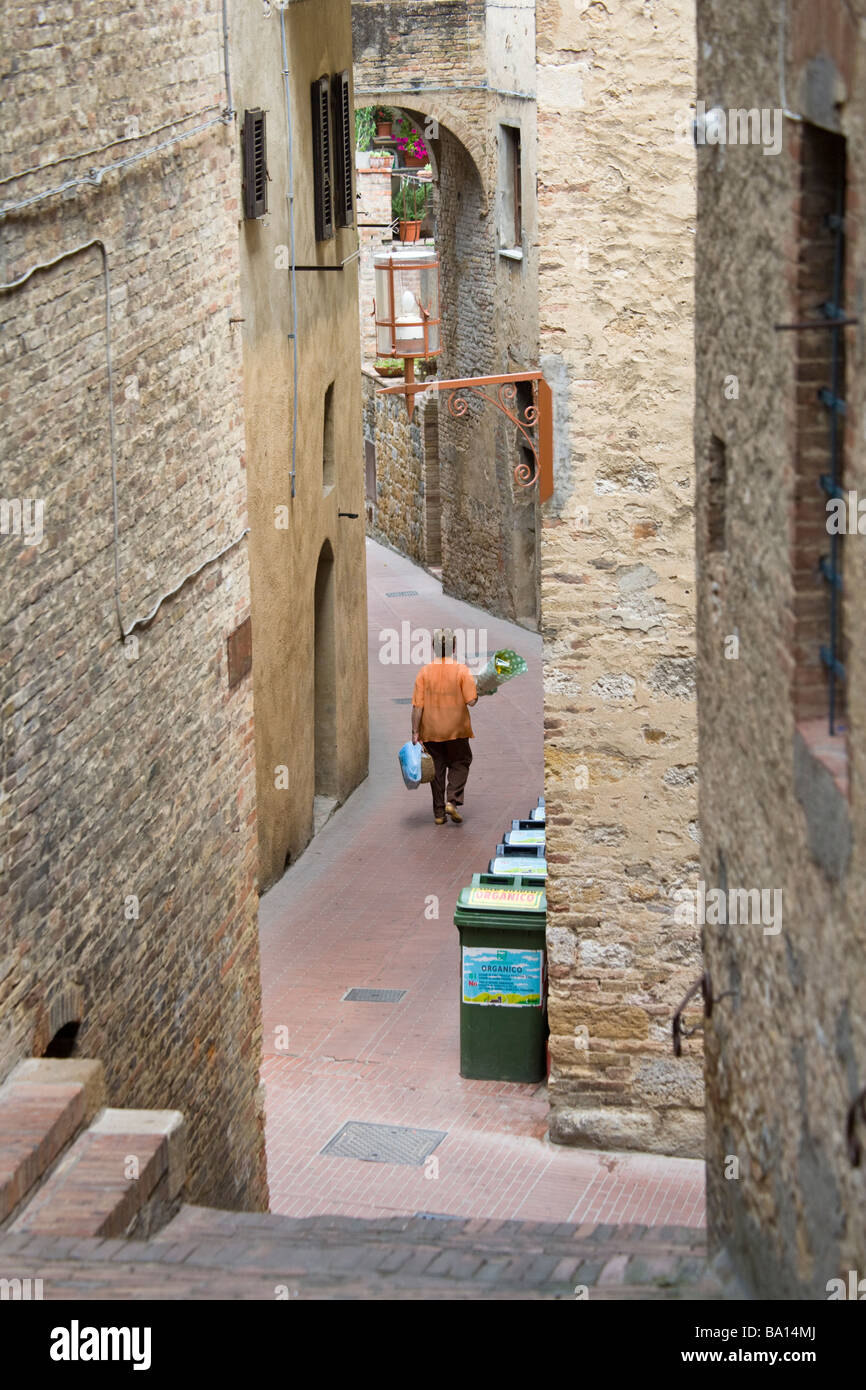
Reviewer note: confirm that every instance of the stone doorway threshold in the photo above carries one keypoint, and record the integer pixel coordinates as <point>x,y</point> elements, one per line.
<point>323,808</point>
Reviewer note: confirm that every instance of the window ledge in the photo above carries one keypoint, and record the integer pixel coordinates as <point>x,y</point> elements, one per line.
<point>511,253</point>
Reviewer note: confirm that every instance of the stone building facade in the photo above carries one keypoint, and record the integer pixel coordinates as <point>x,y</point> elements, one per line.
<point>127,780</point>
<point>616,226</point>
<point>786,1044</point>
<point>465,71</point>
<point>307,553</point>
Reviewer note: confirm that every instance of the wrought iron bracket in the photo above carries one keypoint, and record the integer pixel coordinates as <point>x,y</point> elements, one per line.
<point>534,424</point>
<point>704,987</point>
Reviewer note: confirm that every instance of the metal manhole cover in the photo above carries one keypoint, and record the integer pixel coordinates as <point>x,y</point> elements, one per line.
<point>403,700</point>
<point>373,996</point>
<point>403,593</point>
<point>384,1143</point>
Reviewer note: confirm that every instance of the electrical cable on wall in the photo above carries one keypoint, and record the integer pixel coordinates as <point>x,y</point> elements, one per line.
<point>290,196</point>
<point>106,281</point>
<point>94,177</point>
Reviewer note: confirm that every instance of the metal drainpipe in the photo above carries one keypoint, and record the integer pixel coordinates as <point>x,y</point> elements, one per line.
<point>290,196</point>
<point>229,108</point>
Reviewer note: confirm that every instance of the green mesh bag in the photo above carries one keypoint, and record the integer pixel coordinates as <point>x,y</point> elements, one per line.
<point>500,668</point>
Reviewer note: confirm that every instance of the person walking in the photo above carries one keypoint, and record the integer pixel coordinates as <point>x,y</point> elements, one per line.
<point>444,692</point>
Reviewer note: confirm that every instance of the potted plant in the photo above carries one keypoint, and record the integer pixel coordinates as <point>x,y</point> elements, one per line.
<point>383,116</point>
<point>408,204</point>
<point>410,143</point>
<point>388,366</point>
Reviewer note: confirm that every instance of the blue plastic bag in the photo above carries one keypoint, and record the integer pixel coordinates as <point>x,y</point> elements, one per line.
<point>410,764</point>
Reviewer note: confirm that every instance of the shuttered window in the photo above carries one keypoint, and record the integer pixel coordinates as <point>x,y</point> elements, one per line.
<point>255,164</point>
<point>323,159</point>
<point>343,121</point>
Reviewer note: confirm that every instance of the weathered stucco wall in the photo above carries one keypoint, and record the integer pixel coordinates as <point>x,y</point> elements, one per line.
<point>127,786</point>
<point>616,226</point>
<point>288,533</point>
<point>786,1054</point>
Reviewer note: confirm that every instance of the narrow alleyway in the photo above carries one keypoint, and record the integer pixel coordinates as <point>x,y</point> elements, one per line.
<point>351,913</point>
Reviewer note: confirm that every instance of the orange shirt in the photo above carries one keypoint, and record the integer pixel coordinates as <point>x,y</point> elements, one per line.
<point>444,688</point>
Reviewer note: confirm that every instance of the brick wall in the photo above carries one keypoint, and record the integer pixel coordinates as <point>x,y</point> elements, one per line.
<point>616,220</point>
<point>786,1049</point>
<point>374,208</point>
<point>438,62</point>
<point>127,824</point>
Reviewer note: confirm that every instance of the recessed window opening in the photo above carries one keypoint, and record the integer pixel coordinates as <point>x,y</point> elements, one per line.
<point>329,469</point>
<point>717,484</point>
<point>510,190</point>
<point>64,1040</point>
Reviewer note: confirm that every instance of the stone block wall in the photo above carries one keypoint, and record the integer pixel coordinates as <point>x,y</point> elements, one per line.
<point>399,514</point>
<point>127,784</point>
<point>779,808</point>
<point>616,227</point>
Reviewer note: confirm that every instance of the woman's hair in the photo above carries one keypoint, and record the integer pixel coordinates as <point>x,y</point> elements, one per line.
<point>443,641</point>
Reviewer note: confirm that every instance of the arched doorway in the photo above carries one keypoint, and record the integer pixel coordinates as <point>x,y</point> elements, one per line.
<point>325,684</point>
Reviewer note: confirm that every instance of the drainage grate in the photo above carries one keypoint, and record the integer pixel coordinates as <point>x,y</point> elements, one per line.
<point>403,593</point>
<point>384,1143</point>
<point>373,996</point>
<point>403,700</point>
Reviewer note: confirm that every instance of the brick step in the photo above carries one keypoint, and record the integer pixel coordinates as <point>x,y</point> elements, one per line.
<point>122,1176</point>
<point>534,1254</point>
<point>238,1267</point>
<point>194,1222</point>
<point>43,1105</point>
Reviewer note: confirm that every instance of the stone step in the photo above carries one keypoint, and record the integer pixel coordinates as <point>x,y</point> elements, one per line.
<point>122,1176</point>
<point>43,1105</point>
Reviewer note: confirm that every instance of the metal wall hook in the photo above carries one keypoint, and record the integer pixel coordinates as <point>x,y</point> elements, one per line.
<point>704,987</point>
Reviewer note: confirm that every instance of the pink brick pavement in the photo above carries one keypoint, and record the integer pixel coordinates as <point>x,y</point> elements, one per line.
<point>351,912</point>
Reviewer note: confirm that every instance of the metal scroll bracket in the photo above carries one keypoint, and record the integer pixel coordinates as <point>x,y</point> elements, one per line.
<point>534,424</point>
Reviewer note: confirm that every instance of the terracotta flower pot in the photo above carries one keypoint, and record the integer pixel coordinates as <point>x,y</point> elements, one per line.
<point>414,161</point>
<point>383,129</point>
<point>409,231</point>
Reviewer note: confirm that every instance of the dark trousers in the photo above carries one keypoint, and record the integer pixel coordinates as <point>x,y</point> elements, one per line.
<point>451,761</point>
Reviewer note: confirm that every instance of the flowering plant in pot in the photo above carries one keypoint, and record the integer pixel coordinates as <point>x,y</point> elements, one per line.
<point>383,116</point>
<point>410,143</point>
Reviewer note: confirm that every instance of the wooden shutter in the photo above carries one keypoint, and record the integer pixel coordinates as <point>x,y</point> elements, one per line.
<point>255,164</point>
<point>322,159</point>
<point>343,121</point>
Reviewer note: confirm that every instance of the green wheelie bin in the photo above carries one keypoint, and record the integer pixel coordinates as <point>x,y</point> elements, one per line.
<point>503,978</point>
